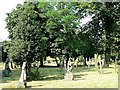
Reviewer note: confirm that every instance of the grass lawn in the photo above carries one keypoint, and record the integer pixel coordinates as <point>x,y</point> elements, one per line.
<point>54,78</point>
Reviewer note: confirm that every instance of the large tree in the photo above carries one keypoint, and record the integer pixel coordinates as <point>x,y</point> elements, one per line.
<point>26,24</point>
<point>64,32</point>
<point>103,27</point>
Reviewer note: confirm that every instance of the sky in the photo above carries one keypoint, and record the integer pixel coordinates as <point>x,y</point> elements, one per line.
<point>5,7</point>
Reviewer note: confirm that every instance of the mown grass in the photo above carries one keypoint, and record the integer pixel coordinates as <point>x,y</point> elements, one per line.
<point>54,78</point>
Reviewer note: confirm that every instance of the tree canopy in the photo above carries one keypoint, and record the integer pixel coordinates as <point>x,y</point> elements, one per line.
<point>41,29</point>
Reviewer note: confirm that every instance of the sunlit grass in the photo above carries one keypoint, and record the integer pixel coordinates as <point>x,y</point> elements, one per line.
<point>54,78</point>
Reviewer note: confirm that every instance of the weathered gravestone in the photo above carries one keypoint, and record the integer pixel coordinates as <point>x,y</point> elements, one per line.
<point>6,71</point>
<point>89,62</point>
<point>68,73</point>
<point>22,81</point>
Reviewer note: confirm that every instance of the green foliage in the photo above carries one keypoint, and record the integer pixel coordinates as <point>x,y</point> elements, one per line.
<point>102,27</point>
<point>42,29</point>
<point>25,26</point>
<point>34,75</point>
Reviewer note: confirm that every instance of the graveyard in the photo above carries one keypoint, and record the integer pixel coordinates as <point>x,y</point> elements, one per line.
<point>61,45</point>
<point>53,77</point>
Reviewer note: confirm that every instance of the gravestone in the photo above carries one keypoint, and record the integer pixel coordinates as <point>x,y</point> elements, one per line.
<point>69,74</point>
<point>89,62</point>
<point>22,81</point>
<point>20,85</point>
<point>6,71</point>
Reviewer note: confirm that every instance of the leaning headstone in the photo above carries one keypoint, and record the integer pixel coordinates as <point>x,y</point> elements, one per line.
<point>22,81</point>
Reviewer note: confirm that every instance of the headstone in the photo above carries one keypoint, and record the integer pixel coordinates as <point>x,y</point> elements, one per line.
<point>70,67</point>
<point>22,81</point>
<point>20,85</point>
<point>89,62</point>
<point>68,76</point>
<point>6,71</point>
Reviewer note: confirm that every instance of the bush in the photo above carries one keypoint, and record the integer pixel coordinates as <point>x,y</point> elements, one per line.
<point>35,74</point>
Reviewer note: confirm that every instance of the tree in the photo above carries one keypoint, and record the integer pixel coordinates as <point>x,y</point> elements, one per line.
<point>26,25</point>
<point>103,26</point>
<point>64,35</point>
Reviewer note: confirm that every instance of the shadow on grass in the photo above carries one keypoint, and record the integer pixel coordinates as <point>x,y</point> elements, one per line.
<point>109,67</point>
<point>79,76</point>
<point>48,74</point>
<point>35,86</point>
<point>51,77</point>
<point>83,69</point>
<point>14,76</point>
<point>107,72</point>
<point>28,87</point>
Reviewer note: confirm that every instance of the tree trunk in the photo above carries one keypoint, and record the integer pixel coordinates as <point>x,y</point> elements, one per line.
<point>108,29</point>
<point>61,58</point>
<point>21,65</point>
<point>11,65</point>
<point>107,56</point>
<point>41,61</point>
<point>57,62</point>
<point>28,71</point>
<point>84,62</point>
<point>66,64</point>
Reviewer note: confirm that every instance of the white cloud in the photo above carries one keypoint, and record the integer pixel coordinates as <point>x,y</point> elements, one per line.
<point>5,7</point>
